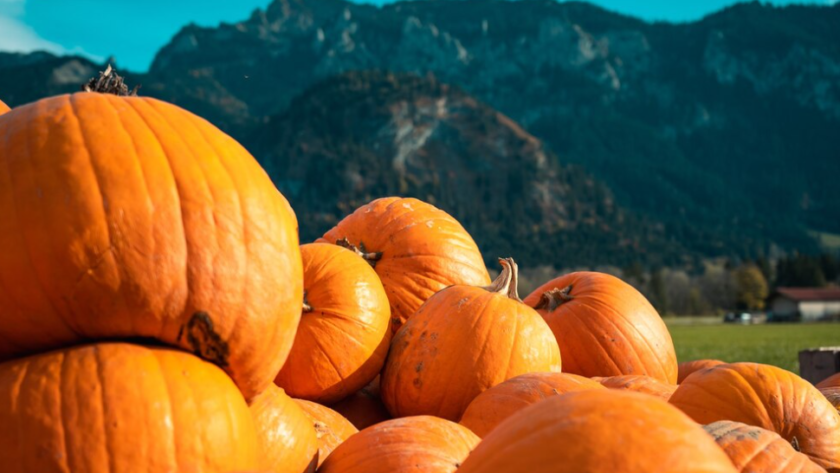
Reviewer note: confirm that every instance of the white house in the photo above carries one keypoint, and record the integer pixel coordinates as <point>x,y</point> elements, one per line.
<point>805,304</point>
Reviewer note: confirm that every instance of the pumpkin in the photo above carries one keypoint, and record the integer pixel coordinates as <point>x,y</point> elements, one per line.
<point>128,217</point>
<point>833,396</point>
<point>640,384</point>
<point>331,429</point>
<point>767,397</point>
<point>344,332</point>
<point>121,407</point>
<point>411,444</point>
<point>756,450</point>
<point>605,327</point>
<point>415,248</point>
<point>462,341</point>
<point>3,108</point>
<point>364,408</point>
<point>687,367</point>
<point>598,431</point>
<point>493,406</point>
<point>830,382</point>
<point>286,433</point>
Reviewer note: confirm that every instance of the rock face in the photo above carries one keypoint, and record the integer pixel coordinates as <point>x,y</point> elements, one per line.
<point>722,131</point>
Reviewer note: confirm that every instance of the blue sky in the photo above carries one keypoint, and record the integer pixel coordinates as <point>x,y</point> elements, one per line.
<point>133,30</point>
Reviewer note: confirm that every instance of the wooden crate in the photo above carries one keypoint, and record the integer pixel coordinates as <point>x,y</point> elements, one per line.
<point>816,364</point>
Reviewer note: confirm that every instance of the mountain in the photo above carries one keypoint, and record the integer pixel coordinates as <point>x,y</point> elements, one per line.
<point>720,132</point>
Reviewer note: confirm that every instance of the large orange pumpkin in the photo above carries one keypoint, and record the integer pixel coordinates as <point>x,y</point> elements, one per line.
<point>605,327</point>
<point>286,433</point>
<point>127,217</point>
<point>462,341</point>
<point>640,384</point>
<point>331,429</point>
<point>685,368</point>
<point>493,406</point>
<point>343,336</point>
<point>3,108</point>
<point>416,248</point>
<point>120,407</point>
<point>364,408</point>
<point>756,450</point>
<point>767,397</point>
<point>411,444</point>
<point>598,431</point>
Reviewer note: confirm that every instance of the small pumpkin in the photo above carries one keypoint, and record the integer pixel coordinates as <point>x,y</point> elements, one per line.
<point>128,217</point>
<point>344,332</point>
<point>502,401</point>
<point>832,381</point>
<point>415,248</point>
<point>3,108</point>
<point>288,443</point>
<point>331,429</point>
<point>364,408</point>
<point>598,431</point>
<point>685,368</point>
<point>756,450</point>
<point>768,397</point>
<point>605,327</point>
<point>640,384</point>
<point>462,341</point>
<point>121,407</point>
<point>833,396</point>
<point>410,444</point>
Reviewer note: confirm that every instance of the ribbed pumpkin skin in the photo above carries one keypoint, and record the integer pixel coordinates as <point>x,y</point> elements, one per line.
<point>364,408</point>
<point>462,341</point>
<point>421,444</point>
<point>833,396</point>
<point>756,450</point>
<point>608,328</point>
<point>288,443</point>
<point>331,429</point>
<point>830,382</point>
<point>120,407</point>
<point>129,217</point>
<point>767,397</point>
<point>685,368</point>
<point>640,384</point>
<point>342,343</point>
<point>423,251</point>
<point>598,431</point>
<point>504,400</point>
<point>3,108</point>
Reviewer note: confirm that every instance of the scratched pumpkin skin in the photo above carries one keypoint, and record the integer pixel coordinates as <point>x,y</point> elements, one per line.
<point>128,217</point>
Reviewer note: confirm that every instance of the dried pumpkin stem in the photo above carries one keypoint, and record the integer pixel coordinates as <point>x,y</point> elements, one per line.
<point>507,282</point>
<point>306,306</point>
<point>109,82</point>
<point>554,298</point>
<point>370,257</point>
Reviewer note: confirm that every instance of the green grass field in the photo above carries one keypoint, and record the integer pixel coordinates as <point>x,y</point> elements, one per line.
<point>775,344</point>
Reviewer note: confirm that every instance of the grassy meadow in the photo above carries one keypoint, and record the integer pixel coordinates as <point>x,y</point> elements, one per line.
<point>775,344</point>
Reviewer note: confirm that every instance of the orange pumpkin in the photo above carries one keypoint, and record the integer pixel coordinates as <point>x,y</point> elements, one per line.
<point>410,444</point>
<point>605,327</point>
<point>502,401</point>
<point>416,248</point>
<point>767,397</point>
<point>462,341</point>
<point>756,450</point>
<point>343,336</point>
<point>365,407</point>
<point>286,433</point>
<point>3,108</point>
<point>598,431</point>
<point>331,429</point>
<point>687,367</point>
<point>121,407</point>
<point>833,396</point>
<point>128,217</point>
<point>830,382</point>
<point>640,384</point>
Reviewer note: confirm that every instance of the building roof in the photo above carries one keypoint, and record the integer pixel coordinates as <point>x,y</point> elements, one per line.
<point>810,293</point>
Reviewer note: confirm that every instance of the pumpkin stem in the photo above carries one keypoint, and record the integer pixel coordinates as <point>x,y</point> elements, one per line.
<point>507,282</point>
<point>554,298</point>
<point>306,306</point>
<point>370,257</point>
<point>109,82</point>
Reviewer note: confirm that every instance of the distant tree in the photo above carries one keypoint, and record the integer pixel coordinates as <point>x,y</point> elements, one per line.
<point>658,292</point>
<point>751,287</point>
<point>800,271</point>
<point>830,266</point>
<point>717,287</point>
<point>766,268</point>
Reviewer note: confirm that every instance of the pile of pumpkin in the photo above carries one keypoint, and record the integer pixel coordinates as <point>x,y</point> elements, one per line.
<point>158,314</point>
